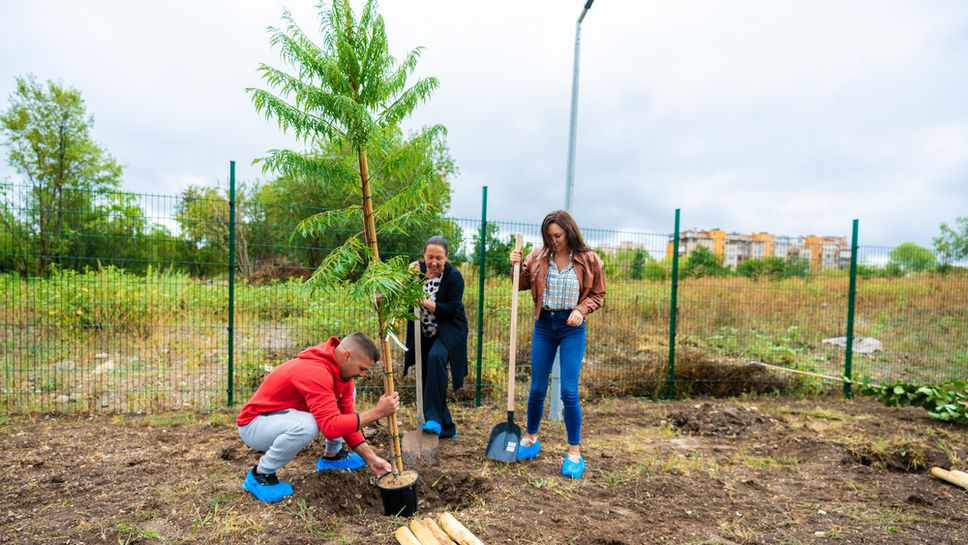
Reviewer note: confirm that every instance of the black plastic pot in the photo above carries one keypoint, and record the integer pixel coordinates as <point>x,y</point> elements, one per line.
<point>400,501</point>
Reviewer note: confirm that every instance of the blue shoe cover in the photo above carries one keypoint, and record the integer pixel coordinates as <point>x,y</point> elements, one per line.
<point>265,492</point>
<point>530,451</point>
<point>572,469</point>
<point>432,426</point>
<point>455,436</point>
<point>350,462</point>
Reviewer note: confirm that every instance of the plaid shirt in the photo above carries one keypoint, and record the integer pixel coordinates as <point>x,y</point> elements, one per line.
<point>563,288</point>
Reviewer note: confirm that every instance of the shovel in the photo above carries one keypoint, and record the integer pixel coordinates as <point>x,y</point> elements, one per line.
<point>506,436</point>
<point>420,447</point>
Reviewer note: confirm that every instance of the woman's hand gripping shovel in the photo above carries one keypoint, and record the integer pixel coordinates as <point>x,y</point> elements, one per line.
<point>506,436</point>
<point>419,447</point>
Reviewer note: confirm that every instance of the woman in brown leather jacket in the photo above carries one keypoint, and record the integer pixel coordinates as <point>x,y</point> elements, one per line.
<point>567,283</point>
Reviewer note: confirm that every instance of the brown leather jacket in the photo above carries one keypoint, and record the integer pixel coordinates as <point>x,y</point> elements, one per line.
<point>591,277</point>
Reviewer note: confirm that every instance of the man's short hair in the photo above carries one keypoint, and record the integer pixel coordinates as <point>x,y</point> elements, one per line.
<point>365,344</point>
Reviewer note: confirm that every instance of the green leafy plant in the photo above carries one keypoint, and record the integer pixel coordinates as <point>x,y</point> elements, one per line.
<point>350,92</point>
<point>947,402</point>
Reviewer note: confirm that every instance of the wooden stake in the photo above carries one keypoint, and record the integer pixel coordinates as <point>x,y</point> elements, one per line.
<point>950,477</point>
<point>456,530</point>
<point>438,532</point>
<point>405,536</point>
<point>395,450</point>
<point>423,533</point>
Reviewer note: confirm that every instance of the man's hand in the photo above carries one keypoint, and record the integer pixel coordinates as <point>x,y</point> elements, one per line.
<point>388,404</point>
<point>379,466</point>
<point>575,318</point>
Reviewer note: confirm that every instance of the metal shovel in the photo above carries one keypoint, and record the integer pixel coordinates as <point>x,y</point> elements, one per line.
<point>420,447</point>
<point>506,436</point>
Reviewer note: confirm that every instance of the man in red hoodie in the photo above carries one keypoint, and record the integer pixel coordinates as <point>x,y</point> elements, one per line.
<point>303,397</point>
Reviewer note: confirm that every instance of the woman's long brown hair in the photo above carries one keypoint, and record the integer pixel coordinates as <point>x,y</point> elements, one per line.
<point>572,234</point>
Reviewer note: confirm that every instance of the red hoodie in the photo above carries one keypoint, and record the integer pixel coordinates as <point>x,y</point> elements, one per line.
<point>310,383</point>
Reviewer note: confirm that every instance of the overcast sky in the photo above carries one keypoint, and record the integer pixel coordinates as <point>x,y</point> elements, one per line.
<point>781,116</point>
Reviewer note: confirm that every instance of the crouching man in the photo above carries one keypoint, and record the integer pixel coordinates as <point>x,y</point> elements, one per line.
<point>305,396</point>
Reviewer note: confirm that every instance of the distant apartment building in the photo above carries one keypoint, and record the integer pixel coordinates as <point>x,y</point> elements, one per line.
<point>735,248</point>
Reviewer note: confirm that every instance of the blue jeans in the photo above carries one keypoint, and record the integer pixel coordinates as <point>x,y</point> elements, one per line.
<point>551,333</point>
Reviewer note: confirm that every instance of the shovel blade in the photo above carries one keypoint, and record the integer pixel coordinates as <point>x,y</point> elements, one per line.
<point>420,448</point>
<point>504,441</point>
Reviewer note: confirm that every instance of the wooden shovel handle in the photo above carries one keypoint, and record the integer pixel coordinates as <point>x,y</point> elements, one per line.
<point>513,344</point>
<point>418,360</point>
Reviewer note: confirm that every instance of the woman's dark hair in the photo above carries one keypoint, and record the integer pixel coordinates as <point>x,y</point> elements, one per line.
<point>437,241</point>
<point>572,234</point>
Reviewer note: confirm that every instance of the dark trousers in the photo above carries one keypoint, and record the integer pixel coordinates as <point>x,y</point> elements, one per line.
<point>435,384</point>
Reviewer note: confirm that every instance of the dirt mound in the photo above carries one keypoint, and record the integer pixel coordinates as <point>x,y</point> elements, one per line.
<point>644,373</point>
<point>352,492</point>
<point>340,492</point>
<point>901,456</point>
<point>706,419</point>
<point>451,490</point>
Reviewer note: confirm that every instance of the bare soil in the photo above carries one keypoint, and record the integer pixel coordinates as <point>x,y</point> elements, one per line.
<point>749,471</point>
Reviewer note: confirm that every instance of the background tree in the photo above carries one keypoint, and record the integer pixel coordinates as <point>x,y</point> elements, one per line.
<point>637,267</point>
<point>952,243</point>
<point>762,267</point>
<point>202,213</point>
<point>909,257</point>
<point>47,133</point>
<point>703,262</point>
<point>496,250</point>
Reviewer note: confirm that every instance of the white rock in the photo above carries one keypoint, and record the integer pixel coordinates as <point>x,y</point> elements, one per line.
<point>101,356</point>
<point>105,367</point>
<point>62,399</point>
<point>862,345</point>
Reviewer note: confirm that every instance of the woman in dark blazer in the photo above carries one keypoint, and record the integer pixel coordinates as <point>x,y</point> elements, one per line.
<point>443,329</point>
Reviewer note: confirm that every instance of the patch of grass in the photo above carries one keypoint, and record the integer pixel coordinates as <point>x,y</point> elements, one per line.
<point>539,482</point>
<point>818,413</point>
<point>766,462</point>
<point>905,454</point>
<point>616,478</point>
<point>679,464</point>
<point>329,528</point>
<point>170,419</point>
<point>886,517</point>
<point>219,419</point>
<point>131,532</point>
<point>950,453</point>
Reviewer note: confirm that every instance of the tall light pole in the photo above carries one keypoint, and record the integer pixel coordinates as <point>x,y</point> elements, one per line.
<point>554,412</point>
<point>573,127</point>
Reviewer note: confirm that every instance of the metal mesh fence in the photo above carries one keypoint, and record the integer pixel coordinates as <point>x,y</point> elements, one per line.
<point>104,308</point>
<point>120,302</point>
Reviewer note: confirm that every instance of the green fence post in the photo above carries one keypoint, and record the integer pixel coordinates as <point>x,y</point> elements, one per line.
<point>231,386</point>
<point>482,243</point>
<point>673,310</point>
<point>851,301</point>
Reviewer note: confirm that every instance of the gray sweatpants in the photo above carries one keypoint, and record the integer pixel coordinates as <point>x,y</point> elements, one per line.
<point>281,435</point>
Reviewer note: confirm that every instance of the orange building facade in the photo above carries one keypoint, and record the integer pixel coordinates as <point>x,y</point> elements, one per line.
<point>823,252</point>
